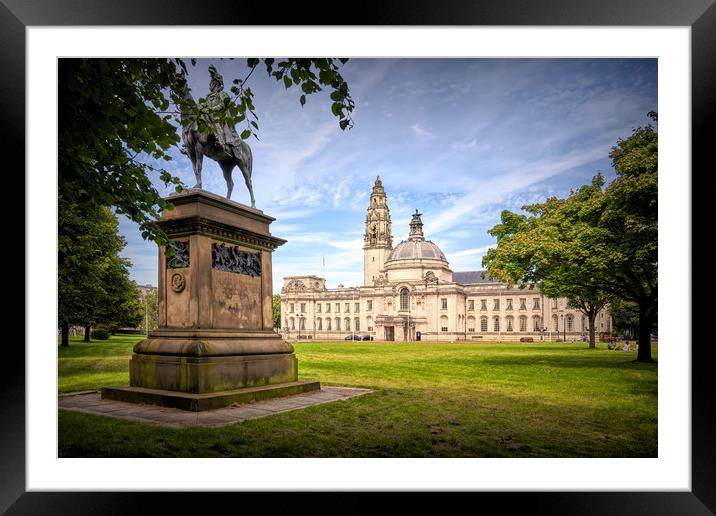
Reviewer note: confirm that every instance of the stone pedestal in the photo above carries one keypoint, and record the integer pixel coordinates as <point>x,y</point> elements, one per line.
<point>215,344</point>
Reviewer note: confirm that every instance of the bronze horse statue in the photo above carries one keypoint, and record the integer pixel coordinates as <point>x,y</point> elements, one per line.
<point>222,143</point>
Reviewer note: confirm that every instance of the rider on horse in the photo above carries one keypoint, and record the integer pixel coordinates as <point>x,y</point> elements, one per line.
<point>213,107</point>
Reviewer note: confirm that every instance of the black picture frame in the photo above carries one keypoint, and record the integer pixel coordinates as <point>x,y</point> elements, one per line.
<point>700,15</point>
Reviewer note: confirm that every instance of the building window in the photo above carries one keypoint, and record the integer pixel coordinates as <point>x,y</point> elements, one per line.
<point>357,307</point>
<point>369,305</point>
<point>338,308</point>
<point>471,324</point>
<point>356,324</point>
<point>523,323</point>
<point>496,324</point>
<point>483,305</point>
<point>537,323</point>
<point>303,308</point>
<point>443,323</point>
<point>302,323</point>
<point>347,324</point>
<point>290,307</point>
<point>535,303</point>
<point>337,323</point>
<point>328,324</point>
<point>496,304</point>
<point>293,323</point>
<point>328,308</point>
<point>570,322</point>
<point>509,323</point>
<point>348,307</point>
<point>320,324</point>
<point>369,323</point>
<point>555,323</point>
<point>318,308</point>
<point>523,303</point>
<point>444,303</point>
<point>585,323</point>
<point>509,304</point>
<point>404,299</point>
<point>471,304</point>
<point>483,323</point>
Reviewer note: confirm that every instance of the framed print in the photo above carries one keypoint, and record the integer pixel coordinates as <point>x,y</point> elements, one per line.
<point>32,31</point>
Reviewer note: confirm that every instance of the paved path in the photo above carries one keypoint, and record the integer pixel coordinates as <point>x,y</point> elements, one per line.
<point>90,402</point>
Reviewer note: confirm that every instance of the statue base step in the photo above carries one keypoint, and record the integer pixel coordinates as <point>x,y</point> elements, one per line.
<point>206,401</point>
<point>200,375</point>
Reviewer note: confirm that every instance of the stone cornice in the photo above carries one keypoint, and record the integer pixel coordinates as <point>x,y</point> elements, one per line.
<point>186,226</point>
<point>194,195</point>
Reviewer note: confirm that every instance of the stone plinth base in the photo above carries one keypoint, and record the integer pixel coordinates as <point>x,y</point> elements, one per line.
<point>206,401</point>
<point>199,375</point>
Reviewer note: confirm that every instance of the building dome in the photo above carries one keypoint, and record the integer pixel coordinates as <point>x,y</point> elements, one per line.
<point>416,250</point>
<point>416,247</point>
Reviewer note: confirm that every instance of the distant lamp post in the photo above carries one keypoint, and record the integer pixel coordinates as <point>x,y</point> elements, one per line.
<point>564,328</point>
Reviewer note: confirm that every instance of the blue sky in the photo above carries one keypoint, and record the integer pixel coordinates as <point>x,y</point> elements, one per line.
<point>459,139</point>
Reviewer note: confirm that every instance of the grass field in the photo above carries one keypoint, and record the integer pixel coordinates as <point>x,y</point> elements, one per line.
<point>431,400</point>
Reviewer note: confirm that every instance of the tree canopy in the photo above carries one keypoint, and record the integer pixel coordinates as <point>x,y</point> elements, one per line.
<point>93,280</point>
<point>596,244</point>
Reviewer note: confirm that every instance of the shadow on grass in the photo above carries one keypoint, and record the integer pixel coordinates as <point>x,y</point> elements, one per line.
<point>627,361</point>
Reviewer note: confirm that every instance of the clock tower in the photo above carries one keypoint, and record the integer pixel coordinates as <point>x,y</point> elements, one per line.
<point>378,239</point>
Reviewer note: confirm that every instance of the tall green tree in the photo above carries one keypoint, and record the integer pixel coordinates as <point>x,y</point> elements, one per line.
<point>115,112</point>
<point>277,311</point>
<point>547,248</point>
<point>93,280</point>
<point>599,240</point>
<point>630,221</point>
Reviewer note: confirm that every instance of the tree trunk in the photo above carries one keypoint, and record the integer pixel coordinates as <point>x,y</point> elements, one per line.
<point>65,327</point>
<point>592,331</point>
<point>645,322</point>
<point>87,332</point>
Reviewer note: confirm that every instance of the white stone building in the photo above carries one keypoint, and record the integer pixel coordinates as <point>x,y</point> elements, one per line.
<point>410,293</point>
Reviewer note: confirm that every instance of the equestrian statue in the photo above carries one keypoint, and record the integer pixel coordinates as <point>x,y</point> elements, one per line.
<point>221,143</point>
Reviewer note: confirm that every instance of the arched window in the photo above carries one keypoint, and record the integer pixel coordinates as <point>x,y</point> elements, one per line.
<point>496,324</point>
<point>337,322</point>
<point>328,324</point>
<point>536,323</point>
<point>302,323</point>
<point>570,322</point>
<point>523,323</point>
<point>555,323</point>
<point>404,298</point>
<point>356,324</point>
<point>347,324</point>
<point>509,323</point>
<point>443,323</point>
<point>483,323</point>
<point>293,323</point>
<point>320,324</point>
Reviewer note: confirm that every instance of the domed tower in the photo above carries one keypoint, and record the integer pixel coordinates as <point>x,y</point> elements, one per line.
<point>415,259</point>
<point>378,238</point>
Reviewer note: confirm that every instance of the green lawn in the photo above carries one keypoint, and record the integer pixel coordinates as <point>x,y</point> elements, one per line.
<point>432,400</point>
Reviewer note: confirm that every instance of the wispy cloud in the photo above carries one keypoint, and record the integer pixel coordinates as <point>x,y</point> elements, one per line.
<point>421,132</point>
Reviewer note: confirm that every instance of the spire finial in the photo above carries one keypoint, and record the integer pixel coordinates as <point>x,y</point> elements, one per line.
<point>416,227</point>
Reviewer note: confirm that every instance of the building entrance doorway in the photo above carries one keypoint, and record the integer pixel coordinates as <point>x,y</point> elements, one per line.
<point>389,333</point>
